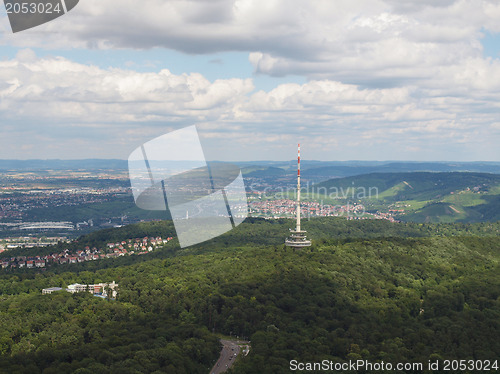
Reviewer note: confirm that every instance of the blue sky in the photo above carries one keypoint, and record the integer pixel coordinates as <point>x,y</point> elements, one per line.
<point>491,44</point>
<point>222,65</point>
<point>385,80</point>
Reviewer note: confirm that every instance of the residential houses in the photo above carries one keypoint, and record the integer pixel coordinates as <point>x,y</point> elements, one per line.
<point>111,250</point>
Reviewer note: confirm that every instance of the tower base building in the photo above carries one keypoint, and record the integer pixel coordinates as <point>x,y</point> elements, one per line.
<point>297,239</point>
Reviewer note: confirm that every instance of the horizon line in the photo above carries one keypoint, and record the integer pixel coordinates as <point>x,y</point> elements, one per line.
<point>241,161</point>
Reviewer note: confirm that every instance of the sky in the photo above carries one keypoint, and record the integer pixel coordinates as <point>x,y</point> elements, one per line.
<point>348,79</point>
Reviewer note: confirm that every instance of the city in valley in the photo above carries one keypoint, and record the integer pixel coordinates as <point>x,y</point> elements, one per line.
<point>43,207</point>
<point>53,207</point>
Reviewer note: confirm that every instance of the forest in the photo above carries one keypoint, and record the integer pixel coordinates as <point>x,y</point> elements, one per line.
<point>374,290</point>
<point>422,197</point>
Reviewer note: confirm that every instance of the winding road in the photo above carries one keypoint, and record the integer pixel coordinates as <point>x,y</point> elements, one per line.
<point>230,350</point>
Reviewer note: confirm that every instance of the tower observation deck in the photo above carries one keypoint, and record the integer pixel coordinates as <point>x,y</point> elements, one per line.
<point>298,238</point>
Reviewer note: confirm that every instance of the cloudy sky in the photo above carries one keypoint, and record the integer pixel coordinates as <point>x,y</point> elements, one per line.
<point>349,79</point>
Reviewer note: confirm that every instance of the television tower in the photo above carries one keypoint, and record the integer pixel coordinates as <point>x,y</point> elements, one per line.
<point>297,238</point>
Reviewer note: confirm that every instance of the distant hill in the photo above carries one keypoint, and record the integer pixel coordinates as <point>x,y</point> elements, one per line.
<point>263,171</point>
<point>310,168</point>
<point>395,167</point>
<point>423,196</point>
<point>111,164</point>
<point>446,212</point>
<point>317,171</point>
<point>418,185</point>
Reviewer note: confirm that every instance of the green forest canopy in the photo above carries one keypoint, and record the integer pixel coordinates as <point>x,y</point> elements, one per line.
<point>366,289</point>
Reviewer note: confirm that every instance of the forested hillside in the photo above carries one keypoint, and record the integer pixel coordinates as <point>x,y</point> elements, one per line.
<point>366,289</point>
<point>421,197</point>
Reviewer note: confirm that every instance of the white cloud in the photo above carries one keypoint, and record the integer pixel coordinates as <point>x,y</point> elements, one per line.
<point>60,88</point>
<point>110,111</point>
<point>342,40</point>
<point>385,77</point>
<point>376,43</point>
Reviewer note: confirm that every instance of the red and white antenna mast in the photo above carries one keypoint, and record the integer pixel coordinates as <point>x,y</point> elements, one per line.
<point>298,189</point>
<point>297,238</point>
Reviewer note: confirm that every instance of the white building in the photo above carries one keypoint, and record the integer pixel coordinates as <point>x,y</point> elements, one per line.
<point>99,289</point>
<point>77,288</point>
<point>47,291</point>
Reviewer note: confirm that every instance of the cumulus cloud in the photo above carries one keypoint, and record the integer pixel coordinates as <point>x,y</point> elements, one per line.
<point>65,89</point>
<point>370,42</point>
<point>79,110</point>
<point>386,79</point>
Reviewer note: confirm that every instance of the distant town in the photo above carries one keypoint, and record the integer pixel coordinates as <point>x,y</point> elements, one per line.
<point>286,208</point>
<point>137,246</point>
<point>68,203</point>
<point>16,201</point>
<point>43,208</point>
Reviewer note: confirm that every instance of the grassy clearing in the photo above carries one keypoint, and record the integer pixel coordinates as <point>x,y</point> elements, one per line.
<point>393,191</point>
<point>464,198</point>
